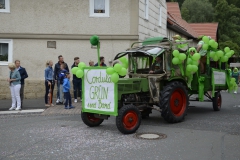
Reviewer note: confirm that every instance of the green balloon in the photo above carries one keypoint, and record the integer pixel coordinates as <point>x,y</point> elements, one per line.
<point>189,68</point>
<point>205,39</point>
<point>205,46</point>
<point>224,59</point>
<point>114,77</point>
<point>94,40</point>
<point>110,71</point>
<point>123,72</point>
<point>196,56</point>
<point>125,65</point>
<point>117,67</point>
<point>81,65</point>
<point>74,70</point>
<point>189,61</point>
<point>220,53</point>
<point>176,53</point>
<point>182,56</point>
<point>212,54</point>
<point>79,73</point>
<point>215,45</point>
<point>211,42</point>
<point>215,58</point>
<point>232,51</point>
<point>229,54</point>
<point>226,49</point>
<point>123,59</point>
<point>175,60</point>
<point>195,63</point>
<point>194,68</point>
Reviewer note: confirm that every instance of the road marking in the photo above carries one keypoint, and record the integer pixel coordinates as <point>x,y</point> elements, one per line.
<point>23,111</point>
<point>237,106</point>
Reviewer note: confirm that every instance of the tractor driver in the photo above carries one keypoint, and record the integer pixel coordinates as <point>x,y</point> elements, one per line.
<point>157,66</point>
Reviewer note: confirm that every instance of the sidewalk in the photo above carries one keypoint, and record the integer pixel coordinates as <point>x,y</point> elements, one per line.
<point>34,104</point>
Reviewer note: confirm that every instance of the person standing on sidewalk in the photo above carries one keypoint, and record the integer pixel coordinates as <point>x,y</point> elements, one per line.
<point>56,71</point>
<point>24,75</point>
<point>15,85</point>
<point>77,82</point>
<point>49,81</point>
<point>61,77</point>
<point>102,64</point>
<point>66,90</point>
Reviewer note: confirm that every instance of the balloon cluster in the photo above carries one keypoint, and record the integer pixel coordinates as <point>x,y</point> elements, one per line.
<point>216,55</point>
<point>78,71</point>
<point>222,56</point>
<point>192,62</point>
<point>178,57</point>
<point>118,69</point>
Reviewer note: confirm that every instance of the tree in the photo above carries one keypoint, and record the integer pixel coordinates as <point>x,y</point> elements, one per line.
<point>194,11</point>
<point>229,25</point>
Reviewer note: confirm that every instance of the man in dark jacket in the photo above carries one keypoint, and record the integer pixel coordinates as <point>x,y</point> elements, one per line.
<point>24,75</point>
<point>157,66</point>
<point>102,64</point>
<point>56,71</point>
<point>77,82</point>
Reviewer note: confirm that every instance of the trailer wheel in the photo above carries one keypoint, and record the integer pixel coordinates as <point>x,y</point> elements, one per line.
<point>217,101</point>
<point>128,119</point>
<point>174,102</point>
<point>90,120</point>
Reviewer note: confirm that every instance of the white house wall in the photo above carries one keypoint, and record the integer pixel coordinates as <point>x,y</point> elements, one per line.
<point>150,28</point>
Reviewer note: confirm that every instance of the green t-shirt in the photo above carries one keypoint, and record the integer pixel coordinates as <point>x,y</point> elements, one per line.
<point>202,51</point>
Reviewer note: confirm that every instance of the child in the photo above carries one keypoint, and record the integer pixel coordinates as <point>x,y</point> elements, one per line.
<point>66,90</point>
<point>61,76</point>
<point>91,63</point>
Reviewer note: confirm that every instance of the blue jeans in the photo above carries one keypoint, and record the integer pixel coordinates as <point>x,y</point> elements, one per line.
<point>68,99</point>
<point>77,87</point>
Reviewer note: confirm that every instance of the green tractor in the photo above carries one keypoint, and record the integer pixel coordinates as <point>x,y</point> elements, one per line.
<point>167,91</point>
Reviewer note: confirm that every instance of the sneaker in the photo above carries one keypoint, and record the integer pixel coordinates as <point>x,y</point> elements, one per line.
<point>67,107</point>
<point>12,108</point>
<point>18,108</point>
<point>57,100</point>
<point>47,105</point>
<point>235,92</point>
<point>70,107</point>
<point>59,103</point>
<point>75,100</point>
<point>51,105</point>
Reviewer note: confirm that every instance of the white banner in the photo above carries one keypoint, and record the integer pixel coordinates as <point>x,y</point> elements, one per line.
<point>219,77</point>
<point>98,91</point>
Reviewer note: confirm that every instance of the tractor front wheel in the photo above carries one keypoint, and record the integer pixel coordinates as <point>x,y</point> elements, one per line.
<point>174,102</point>
<point>128,119</point>
<point>90,120</point>
<point>217,101</point>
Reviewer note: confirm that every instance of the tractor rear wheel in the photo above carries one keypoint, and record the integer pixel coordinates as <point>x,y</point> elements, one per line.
<point>90,120</point>
<point>128,119</point>
<point>174,102</point>
<point>217,101</point>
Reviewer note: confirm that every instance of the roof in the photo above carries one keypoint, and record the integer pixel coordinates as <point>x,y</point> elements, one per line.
<point>208,29</point>
<point>182,24</point>
<point>173,8</point>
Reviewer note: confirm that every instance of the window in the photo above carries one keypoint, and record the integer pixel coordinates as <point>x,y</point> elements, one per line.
<point>6,46</point>
<point>99,8</point>
<point>4,6</point>
<point>160,15</point>
<point>146,9</point>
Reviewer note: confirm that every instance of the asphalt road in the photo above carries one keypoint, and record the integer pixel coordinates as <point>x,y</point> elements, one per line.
<point>203,135</point>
